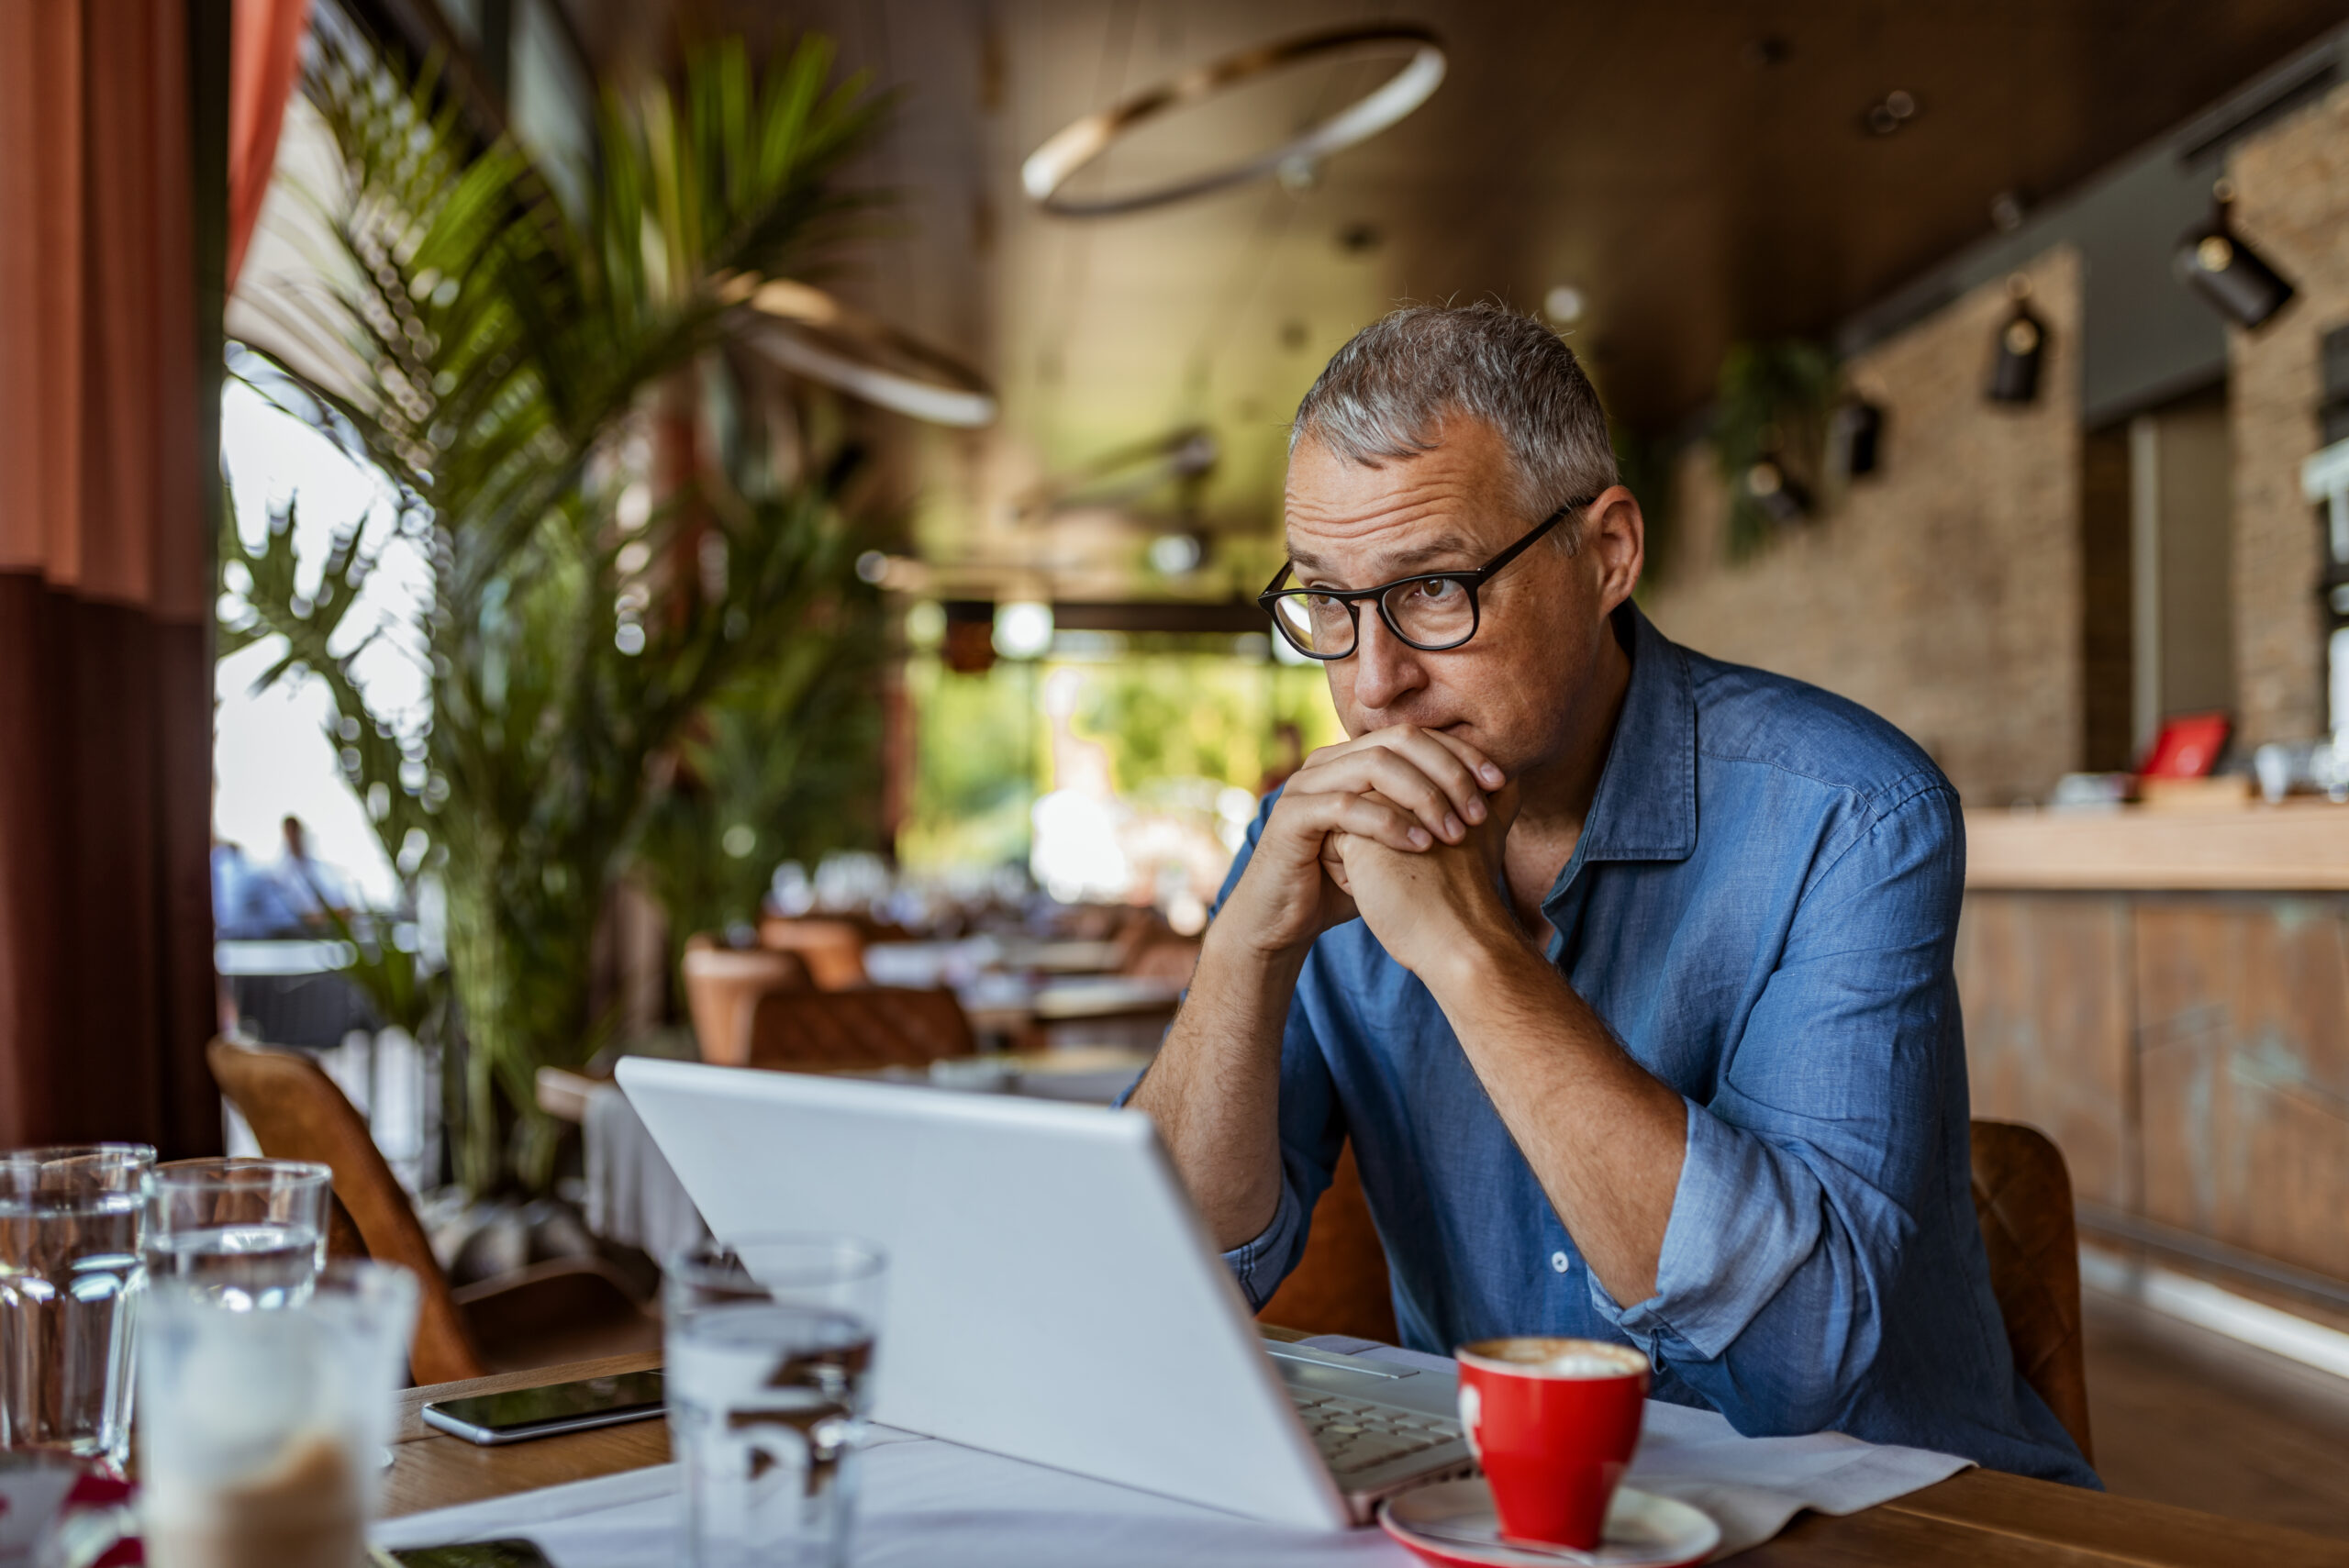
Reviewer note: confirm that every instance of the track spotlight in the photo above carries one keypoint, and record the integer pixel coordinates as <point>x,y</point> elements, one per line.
<point>2224,270</point>
<point>2023,344</point>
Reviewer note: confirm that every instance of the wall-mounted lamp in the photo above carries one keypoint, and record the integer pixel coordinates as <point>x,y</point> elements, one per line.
<point>2022,345</point>
<point>2221,267</point>
<point>1853,436</point>
<point>1780,495</point>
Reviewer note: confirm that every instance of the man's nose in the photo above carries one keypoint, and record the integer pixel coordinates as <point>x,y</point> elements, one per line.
<point>1386,669</point>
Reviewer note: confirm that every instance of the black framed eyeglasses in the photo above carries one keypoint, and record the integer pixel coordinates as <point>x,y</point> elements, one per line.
<point>1430,611</point>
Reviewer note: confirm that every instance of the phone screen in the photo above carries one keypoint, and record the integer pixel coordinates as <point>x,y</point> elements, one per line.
<point>523,1408</point>
<point>475,1554</point>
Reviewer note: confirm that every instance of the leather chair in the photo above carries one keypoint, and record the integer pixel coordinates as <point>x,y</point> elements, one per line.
<point>877,1026</point>
<point>2023,1199</point>
<point>722,982</point>
<point>562,1310</point>
<point>1339,1286</point>
<point>833,950</point>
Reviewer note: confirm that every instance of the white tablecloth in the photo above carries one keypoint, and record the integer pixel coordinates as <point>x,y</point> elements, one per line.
<point>928,1502</point>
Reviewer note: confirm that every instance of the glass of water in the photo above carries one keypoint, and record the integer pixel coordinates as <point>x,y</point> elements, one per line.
<point>70,1274</point>
<point>770,1351</point>
<point>251,1232</point>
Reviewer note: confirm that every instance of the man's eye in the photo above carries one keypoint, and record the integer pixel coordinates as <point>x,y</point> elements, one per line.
<point>1439,590</point>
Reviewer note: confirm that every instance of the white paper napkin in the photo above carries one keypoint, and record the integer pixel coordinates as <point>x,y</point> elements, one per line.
<point>1751,1486</point>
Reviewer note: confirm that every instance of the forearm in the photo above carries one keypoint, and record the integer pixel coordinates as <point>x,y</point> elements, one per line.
<point>1605,1138</point>
<point>1214,1088</point>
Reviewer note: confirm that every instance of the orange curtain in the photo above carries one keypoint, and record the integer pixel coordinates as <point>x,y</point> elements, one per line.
<point>105,980</point>
<point>266,51</point>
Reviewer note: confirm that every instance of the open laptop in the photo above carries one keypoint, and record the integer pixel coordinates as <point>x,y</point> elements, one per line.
<point>1051,1293</point>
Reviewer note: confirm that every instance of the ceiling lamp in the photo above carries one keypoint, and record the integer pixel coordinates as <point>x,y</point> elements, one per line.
<point>812,334</point>
<point>2224,270</point>
<point>1051,166</point>
<point>1183,456</point>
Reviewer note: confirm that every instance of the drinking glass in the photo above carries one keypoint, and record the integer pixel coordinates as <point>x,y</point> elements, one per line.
<point>261,1432</point>
<point>252,1232</point>
<point>770,1351</point>
<point>70,1276</point>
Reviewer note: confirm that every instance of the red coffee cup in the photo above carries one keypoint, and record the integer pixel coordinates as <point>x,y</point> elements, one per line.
<point>1553,1422</point>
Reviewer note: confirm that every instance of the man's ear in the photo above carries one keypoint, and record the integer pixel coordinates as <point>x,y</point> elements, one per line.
<point>1614,543</point>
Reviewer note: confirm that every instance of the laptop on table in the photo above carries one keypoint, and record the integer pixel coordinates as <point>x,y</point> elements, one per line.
<point>1051,1293</point>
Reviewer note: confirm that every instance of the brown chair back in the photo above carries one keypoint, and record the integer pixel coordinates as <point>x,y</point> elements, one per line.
<point>297,1112</point>
<point>721,983</point>
<point>1339,1286</point>
<point>833,950</point>
<point>2022,1197</point>
<point>879,1026</point>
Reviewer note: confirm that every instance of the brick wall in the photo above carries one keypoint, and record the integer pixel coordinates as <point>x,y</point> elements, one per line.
<point>1944,591</point>
<point>2292,204</point>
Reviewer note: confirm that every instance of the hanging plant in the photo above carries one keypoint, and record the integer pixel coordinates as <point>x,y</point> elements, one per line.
<point>1770,429</point>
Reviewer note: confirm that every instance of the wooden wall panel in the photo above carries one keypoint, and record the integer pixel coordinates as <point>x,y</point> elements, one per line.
<point>2243,1051</point>
<point>2045,982</point>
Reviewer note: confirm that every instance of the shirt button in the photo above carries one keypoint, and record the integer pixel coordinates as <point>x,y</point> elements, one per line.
<point>1561,1263</point>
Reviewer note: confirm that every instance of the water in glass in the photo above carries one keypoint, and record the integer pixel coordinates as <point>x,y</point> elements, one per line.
<point>70,1274</point>
<point>769,1382</point>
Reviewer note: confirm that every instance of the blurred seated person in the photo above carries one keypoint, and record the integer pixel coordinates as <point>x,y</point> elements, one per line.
<point>1626,971</point>
<point>290,898</point>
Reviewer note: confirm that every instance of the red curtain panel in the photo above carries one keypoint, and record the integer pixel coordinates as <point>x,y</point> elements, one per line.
<point>266,51</point>
<point>105,928</point>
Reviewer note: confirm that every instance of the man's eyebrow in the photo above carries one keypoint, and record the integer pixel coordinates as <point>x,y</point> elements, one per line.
<point>1401,561</point>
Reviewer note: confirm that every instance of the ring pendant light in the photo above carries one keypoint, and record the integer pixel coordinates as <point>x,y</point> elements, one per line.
<point>816,336</point>
<point>1051,166</point>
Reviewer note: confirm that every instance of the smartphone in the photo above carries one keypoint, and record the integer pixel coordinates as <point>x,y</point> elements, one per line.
<point>520,1414</point>
<point>474,1554</point>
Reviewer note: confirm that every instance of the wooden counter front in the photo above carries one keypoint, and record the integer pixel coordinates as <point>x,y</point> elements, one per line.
<point>2299,847</point>
<point>2165,993</point>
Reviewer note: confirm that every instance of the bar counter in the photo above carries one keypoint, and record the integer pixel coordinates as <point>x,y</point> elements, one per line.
<point>2165,991</point>
<point>2300,846</point>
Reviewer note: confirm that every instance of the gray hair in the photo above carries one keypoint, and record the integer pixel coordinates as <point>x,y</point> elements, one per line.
<point>1386,393</point>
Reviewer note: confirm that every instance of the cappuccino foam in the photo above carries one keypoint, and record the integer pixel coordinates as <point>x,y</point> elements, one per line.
<point>1546,1356</point>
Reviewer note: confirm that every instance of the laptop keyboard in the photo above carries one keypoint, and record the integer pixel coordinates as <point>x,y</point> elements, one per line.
<point>1354,1436</point>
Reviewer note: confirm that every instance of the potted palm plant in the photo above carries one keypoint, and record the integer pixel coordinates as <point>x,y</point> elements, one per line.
<point>498,358</point>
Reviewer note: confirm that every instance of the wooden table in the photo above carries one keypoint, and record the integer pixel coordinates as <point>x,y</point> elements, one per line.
<point>1976,1518</point>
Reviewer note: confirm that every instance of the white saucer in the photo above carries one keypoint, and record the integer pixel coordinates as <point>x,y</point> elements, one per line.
<point>1453,1524</point>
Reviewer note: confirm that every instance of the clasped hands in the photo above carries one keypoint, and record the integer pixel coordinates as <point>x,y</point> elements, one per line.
<point>1403,827</point>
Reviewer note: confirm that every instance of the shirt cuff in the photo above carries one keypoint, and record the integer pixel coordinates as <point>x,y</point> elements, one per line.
<point>1743,1219</point>
<point>1259,1265</point>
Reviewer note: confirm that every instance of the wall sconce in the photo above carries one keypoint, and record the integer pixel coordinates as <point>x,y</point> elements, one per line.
<point>2217,264</point>
<point>2023,344</point>
<point>1780,495</point>
<point>1853,438</point>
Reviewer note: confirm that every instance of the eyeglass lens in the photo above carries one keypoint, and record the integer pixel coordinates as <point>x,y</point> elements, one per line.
<point>1427,612</point>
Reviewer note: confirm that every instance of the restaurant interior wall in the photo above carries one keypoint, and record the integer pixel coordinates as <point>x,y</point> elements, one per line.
<point>1942,591</point>
<point>2292,185</point>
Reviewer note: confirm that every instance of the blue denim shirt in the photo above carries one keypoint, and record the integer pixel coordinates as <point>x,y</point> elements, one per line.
<point>1762,907</point>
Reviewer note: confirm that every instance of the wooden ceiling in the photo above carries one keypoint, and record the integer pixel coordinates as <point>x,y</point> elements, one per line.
<point>1700,170</point>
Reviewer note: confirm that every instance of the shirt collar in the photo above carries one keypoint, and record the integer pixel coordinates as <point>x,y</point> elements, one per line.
<point>1645,809</point>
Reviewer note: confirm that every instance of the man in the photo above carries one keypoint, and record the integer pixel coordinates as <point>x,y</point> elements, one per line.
<point>1627,972</point>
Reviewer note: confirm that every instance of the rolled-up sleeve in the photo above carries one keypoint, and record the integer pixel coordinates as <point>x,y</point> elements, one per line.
<point>1824,1139</point>
<point>1310,1131</point>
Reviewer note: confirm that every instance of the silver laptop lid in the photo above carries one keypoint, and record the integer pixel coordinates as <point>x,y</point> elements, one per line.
<point>1051,1293</point>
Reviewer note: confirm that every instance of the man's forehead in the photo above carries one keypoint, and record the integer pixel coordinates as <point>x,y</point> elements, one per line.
<point>1406,513</point>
